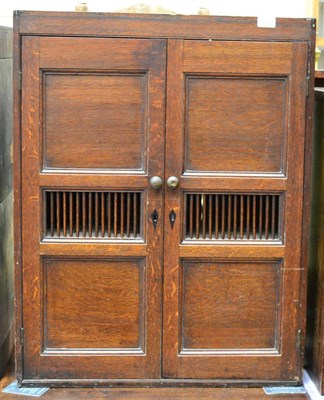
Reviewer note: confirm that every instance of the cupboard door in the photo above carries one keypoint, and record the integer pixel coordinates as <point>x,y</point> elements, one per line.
<point>92,136</point>
<point>232,274</point>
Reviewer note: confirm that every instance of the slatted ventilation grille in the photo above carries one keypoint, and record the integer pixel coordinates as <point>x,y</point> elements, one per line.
<point>112,215</point>
<point>232,216</point>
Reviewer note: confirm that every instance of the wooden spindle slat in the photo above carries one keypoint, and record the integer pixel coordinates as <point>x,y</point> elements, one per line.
<point>242,217</point>
<point>273,222</point>
<point>84,214</point>
<point>52,207</point>
<point>191,216</point>
<point>260,216</point>
<point>223,216</point>
<point>216,216</point>
<point>64,214</point>
<point>96,214</point>
<point>103,214</point>
<point>210,216</point>
<point>248,211</point>
<point>197,216</point>
<point>109,214</point>
<point>90,214</point>
<point>235,217</point>
<point>135,215</point>
<point>229,217</point>
<point>77,214</point>
<point>71,216</point>
<point>58,216</point>
<point>128,214</point>
<point>267,217</point>
<point>203,216</point>
<point>115,213</point>
<point>254,217</point>
<point>122,215</point>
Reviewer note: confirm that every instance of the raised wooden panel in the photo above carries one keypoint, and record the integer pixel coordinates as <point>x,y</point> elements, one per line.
<point>233,57</point>
<point>229,305</point>
<point>233,216</point>
<point>234,125</point>
<point>93,215</point>
<point>95,121</point>
<point>94,304</point>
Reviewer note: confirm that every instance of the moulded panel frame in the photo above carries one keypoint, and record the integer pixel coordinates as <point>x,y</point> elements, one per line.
<point>53,351</point>
<point>276,350</point>
<point>144,74</point>
<point>282,172</point>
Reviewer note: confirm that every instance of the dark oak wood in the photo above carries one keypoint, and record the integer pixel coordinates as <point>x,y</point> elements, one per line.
<point>212,120</point>
<point>237,142</point>
<point>229,291</point>
<point>93,133</point>
<point>72,288</point>
<point>161,26</point>
<point>50,331</point>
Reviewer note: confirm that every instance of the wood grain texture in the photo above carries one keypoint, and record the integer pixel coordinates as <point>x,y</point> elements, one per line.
<point>217,57</point>
<point>233,125</point>
<point>99,112</point>
<point>188,59</point>
<point>223,309</point>
<point>144,308</point>
<point>94,304</point>
<point>163,26</point>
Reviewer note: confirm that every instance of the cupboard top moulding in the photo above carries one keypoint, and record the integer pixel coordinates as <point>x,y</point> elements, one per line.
<point>161,26</point>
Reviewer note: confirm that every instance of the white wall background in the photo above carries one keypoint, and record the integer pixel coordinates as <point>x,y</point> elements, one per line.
<point>277,8</point>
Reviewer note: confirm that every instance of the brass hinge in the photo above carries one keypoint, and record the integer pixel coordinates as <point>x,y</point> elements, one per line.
<point>19,80</point>
<point>21,337</point>
<point>307,85</point>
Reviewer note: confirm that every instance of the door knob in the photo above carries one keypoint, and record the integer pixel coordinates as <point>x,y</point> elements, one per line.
<point>173,182</point>
<point>156,182</point>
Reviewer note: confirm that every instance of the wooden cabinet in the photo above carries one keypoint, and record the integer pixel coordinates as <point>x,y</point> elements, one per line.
<point>194,276</point>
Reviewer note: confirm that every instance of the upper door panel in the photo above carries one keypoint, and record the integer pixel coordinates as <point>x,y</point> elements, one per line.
<point>232,123</point>
<point>96,103</point>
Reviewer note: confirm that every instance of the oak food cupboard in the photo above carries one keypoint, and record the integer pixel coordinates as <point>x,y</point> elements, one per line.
<point>161,198</point>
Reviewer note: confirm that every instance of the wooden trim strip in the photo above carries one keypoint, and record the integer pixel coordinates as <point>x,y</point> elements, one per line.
<point>161,26</point>
<point>93,249</point>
